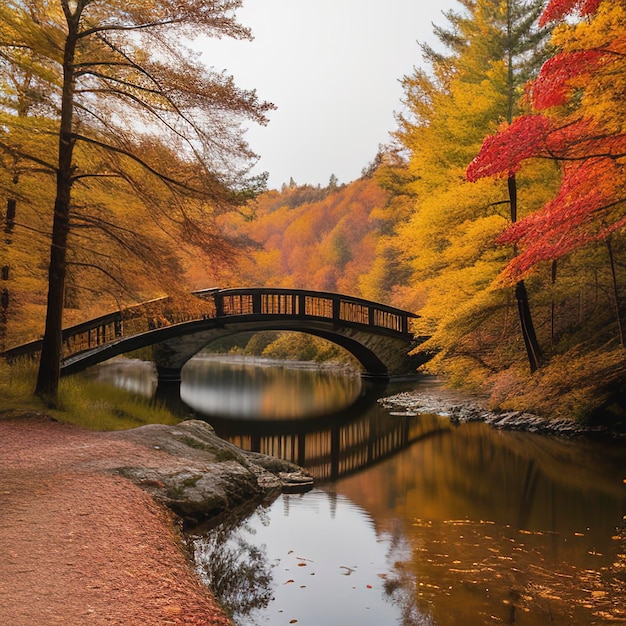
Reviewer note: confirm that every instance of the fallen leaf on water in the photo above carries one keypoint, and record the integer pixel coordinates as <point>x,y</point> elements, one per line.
<point>289,581</point>
<point>293,621</point>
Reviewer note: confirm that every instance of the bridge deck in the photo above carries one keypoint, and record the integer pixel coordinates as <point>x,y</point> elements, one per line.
<point>256,304</point>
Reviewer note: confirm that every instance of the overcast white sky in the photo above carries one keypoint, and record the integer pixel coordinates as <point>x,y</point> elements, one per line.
<point>332,67</point>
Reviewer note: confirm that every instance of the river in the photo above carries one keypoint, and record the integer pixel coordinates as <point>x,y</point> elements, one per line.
<point>413,521</point>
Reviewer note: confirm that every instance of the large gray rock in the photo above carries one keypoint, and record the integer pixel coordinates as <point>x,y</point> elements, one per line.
<point>200,476</point>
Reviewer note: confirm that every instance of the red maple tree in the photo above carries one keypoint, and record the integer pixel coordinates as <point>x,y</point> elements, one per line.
<point>579,126</point>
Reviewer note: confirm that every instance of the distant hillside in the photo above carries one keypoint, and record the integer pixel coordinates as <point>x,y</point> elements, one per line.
<point>330,239</point>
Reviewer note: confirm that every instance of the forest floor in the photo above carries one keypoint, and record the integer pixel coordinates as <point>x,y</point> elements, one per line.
<point>81,545</point>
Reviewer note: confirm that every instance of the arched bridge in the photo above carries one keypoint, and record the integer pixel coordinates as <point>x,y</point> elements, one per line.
<point>376,334</point>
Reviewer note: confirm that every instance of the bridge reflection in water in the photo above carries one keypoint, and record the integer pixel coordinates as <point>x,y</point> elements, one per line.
<point>329,446</point>
<point>331,450</point>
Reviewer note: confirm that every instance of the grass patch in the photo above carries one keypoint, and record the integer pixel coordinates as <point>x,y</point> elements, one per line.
<point>17,382</point>
<point>85,403</point>
<point>98,406</point>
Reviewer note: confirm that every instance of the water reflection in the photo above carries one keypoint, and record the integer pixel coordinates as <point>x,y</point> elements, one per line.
<point>476,527</point>
<point>236,570</point>
<point>318,576</point>
<point>504,527</point>
<point>326,421</point>
<point>262,389</point>
<point>132,375</point>
<point>336,445</point>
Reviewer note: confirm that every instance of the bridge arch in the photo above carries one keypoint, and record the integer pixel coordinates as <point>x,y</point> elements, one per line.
<point>376,334</point>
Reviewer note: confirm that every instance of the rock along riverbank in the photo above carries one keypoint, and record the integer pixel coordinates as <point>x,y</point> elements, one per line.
<point>209,477</point>
<point>463,408</point>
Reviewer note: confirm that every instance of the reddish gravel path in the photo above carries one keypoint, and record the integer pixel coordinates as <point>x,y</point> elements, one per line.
<point>80,545</point>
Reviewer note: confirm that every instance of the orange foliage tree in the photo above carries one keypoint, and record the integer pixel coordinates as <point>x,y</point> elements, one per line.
<point>108,114</point>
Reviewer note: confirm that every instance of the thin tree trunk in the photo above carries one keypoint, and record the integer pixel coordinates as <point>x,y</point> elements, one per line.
<point>533,351</point>
<point>618,312</point>
<point>553,306</point>
<point>51,351</point>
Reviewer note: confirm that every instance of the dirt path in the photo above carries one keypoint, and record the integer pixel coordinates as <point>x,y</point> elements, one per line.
<point>80,545</point>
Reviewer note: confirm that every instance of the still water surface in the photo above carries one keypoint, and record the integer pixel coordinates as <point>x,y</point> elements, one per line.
<point>413,521</point>
<point>241,388</point>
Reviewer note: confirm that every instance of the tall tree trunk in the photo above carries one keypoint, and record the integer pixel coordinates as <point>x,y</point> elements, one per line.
<point>533,351</point>
<point>51,351</point>
<point>5,297</point>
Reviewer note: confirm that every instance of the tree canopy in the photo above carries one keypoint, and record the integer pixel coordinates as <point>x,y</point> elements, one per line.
<point>496,213</point>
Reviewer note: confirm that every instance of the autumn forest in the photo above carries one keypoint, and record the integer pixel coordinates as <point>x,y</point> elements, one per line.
<point>496,211</point>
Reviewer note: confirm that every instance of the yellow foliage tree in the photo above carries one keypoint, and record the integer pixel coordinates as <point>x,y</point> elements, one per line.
<point>450,237</point>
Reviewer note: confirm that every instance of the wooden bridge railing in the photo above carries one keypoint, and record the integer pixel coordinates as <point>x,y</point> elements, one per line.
<point>302,303</point>
<point>256,303</point>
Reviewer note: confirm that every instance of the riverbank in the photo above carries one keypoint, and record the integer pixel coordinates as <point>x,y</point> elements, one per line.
<point>85,534</point>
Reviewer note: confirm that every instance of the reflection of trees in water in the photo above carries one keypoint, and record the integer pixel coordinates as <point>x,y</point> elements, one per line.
<point>400,586</point>
<point>236,571</point>
<point>401,591</point>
